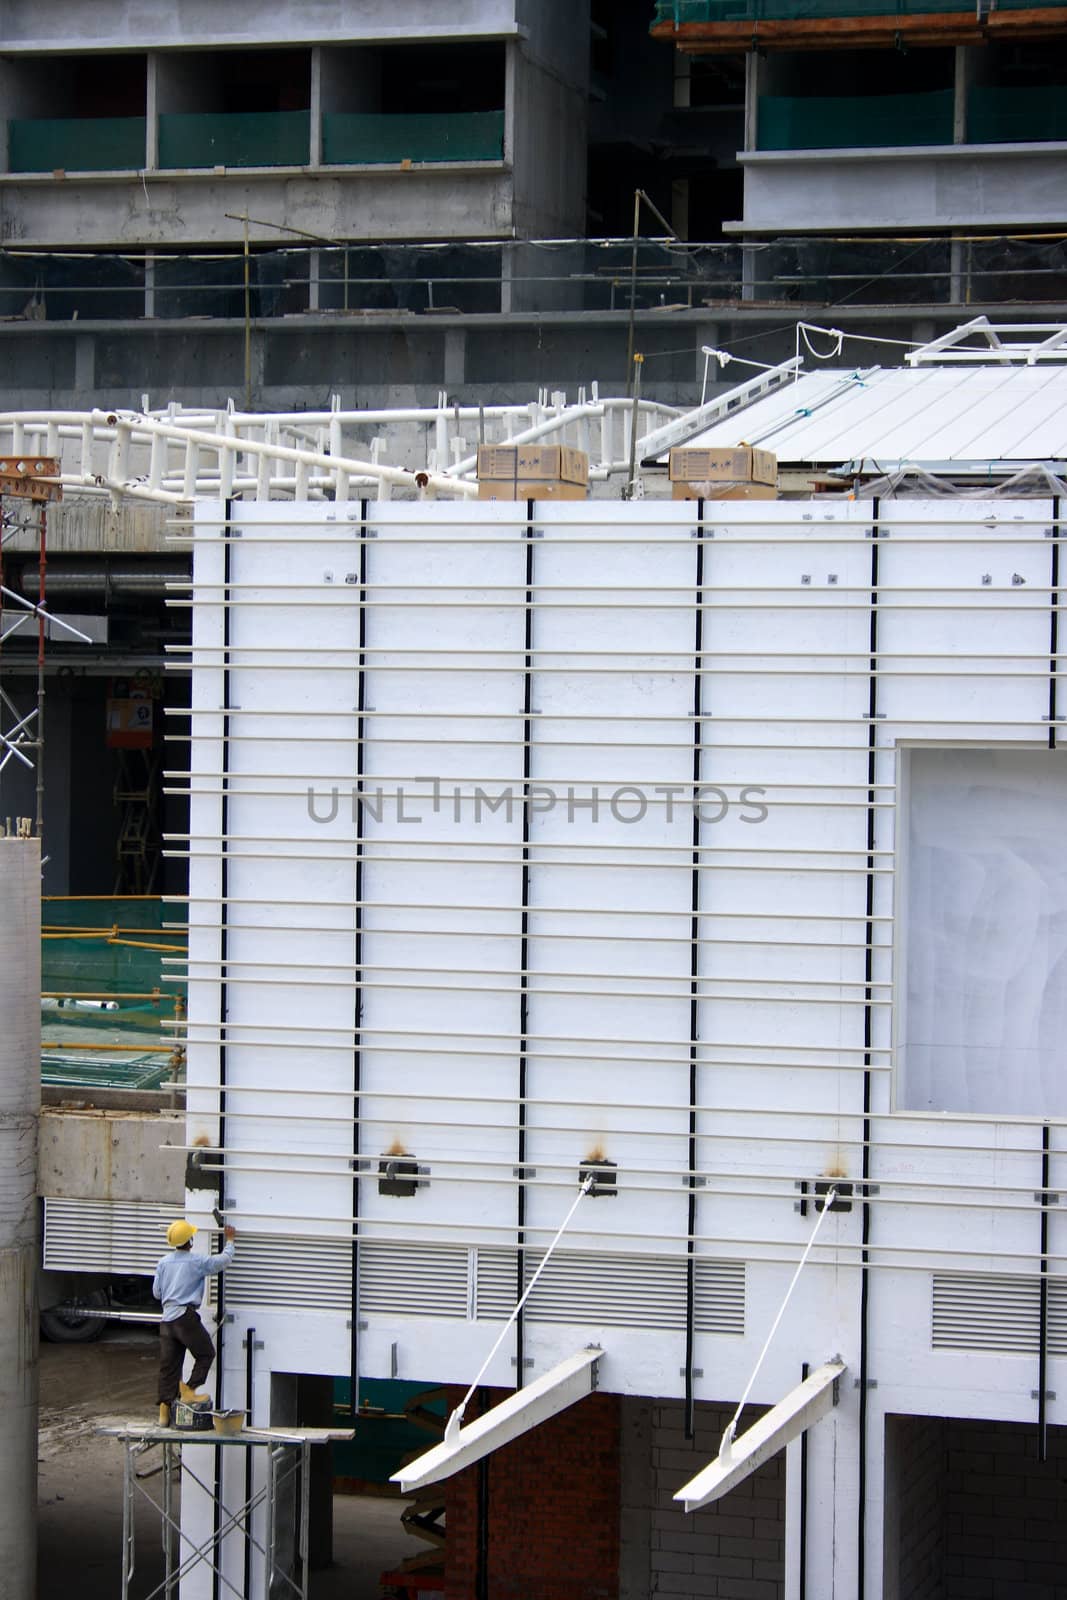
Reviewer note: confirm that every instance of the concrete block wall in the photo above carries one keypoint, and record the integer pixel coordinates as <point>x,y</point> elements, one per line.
<point>553,1510</point>
<point>733,1549</point>
<point>916,1453</point>
<point>1005,1513</point>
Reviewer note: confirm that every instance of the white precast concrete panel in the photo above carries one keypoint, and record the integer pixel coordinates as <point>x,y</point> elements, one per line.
<point>442,878</point>
<point>608,661</point>
<point>792,1043</point>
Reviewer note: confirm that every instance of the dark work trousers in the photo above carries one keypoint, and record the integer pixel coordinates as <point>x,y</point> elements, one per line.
<point>187,1332</point>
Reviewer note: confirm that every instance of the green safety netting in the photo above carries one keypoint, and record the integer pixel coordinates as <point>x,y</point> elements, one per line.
<point>419,136</point>
<point>107,996</point>
<point>76,144</point>
<point>235,139</point>
<point>1005,115</point>
<point>681,12</point>
<point>818,122</point>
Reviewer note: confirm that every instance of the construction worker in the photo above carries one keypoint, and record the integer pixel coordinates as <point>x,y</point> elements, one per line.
<point>179,1283</point>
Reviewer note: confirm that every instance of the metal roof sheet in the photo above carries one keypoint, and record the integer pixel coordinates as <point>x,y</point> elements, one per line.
<point>889,415</point>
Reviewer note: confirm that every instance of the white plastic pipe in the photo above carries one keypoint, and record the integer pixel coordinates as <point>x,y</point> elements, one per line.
<point>20,1104</point>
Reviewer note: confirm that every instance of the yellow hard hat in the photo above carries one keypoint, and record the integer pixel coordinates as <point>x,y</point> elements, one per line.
<point>180,1233</point>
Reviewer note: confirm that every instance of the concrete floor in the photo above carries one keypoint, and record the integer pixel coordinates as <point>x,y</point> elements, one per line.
<point>80,1483</point>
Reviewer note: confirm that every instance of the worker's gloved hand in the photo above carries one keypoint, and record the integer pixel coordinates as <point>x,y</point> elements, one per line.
<point>229,1232</point>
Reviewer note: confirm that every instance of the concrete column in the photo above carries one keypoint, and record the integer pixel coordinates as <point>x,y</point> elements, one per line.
<point>315,151</point>
<point>151,111</point>
<point>85,363</point>
<point>455,359</point>
<point>754,76</point>
<point>707,334</point>
<point>20,1104</point>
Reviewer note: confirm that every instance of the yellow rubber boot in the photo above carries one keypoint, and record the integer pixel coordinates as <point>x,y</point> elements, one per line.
<point>190,1396</point>
<point>164,1414</point>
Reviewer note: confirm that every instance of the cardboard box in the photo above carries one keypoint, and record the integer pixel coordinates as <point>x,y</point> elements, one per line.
<point>525,464</point>
<point>504,489</point>
<point>723,491</point>
<point>743,464</point>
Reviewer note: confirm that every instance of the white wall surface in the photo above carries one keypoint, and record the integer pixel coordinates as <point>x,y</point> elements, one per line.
<point>793,1039</point>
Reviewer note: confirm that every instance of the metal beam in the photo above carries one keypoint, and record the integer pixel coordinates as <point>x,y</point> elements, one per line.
<point>782,1424</point>
<point>687,426</point>
<point>553,1392</point>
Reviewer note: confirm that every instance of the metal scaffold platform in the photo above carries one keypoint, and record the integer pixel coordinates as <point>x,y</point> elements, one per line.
<point>287,1478</point>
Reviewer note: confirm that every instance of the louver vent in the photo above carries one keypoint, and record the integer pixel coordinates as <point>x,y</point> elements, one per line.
<point>638,1292</point>
<point>577,1287</point>
<point>104,1235</point>
<point>614,1291</point>
<point>996,1311</point>
<point>497,1286</point>
<point>413,1280</point>
<point>312,1274</point>
<point>719,1297</point>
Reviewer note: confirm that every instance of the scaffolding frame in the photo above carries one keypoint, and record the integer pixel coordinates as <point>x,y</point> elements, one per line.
<point>287,1454</point>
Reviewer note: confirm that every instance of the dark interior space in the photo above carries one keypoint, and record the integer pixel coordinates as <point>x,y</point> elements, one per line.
<point>116,86</point>
<point>266,80</point>
<point>667,123</point>
<point>972,1512</point>
<point>442,78</point>
<point>834,73</point>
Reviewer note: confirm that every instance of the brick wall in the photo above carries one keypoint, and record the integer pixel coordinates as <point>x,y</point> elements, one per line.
<point>733,1549</point>
<point>553,1510</point>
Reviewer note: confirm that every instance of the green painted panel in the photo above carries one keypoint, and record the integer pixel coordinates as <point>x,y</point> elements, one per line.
<point>77,144</point>
<point>854,121</point>
<point>365,138</point>
<point>384,1438</point>
<point>680,12</point>
<point>235,139</point>
<point>1006,116</point>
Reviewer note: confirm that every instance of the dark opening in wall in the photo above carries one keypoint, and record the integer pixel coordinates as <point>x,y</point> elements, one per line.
<point>442,78</point>
<point>98,86</point>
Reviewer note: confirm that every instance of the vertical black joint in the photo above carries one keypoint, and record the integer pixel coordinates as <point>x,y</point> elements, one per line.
<point>802,1553</point>
<point>357,894</point>
<point>524,944</point>
<point>250,1409</point>
<point>1042,1324</point>
<point>694,984</point>
<point>224,951</point>
<point>481,1577</point>
<point>1054,623</point>
<point>868,1041</point>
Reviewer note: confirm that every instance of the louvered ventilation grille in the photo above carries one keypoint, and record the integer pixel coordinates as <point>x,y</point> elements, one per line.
<point>996,1311</point>
<point>104,1235</point>
<point>576,1286</point>
<point>289,1270</point>
<point>719,1297</point>
<point>497,1289</point>
<point>411,1280</point>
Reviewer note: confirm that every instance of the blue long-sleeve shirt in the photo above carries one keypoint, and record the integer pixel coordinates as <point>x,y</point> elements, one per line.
<point>179,1279</point>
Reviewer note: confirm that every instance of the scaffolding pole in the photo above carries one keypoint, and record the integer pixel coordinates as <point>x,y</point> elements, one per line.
<point>287,1460</point>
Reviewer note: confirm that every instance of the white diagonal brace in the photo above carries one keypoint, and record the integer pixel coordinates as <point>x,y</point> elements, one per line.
<point>782,1424</point>
<point>553,1392</point>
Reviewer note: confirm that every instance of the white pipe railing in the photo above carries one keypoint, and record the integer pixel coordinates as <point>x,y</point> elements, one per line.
<point>172,455</point>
